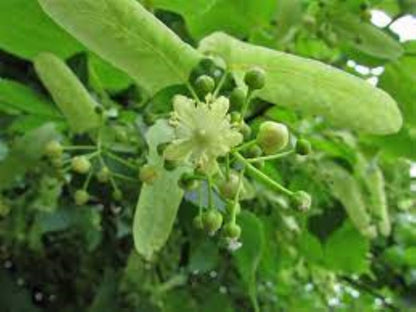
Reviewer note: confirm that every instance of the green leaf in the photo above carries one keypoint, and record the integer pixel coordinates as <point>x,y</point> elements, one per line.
<point>25,30</point>
<point>310,247</point>
<point>22,99</point>
<point>247,258</point>
<point>310,86</point>
<point>106,298</point>
<point>204,257</point>
<point>25,152</point>
<point>68,93</point>
<point>127,36</point>
<point>365,37</point>
<point>346,251</point>
<point>158,202</point>
<point>399,79</point>
<point>345,188</point>
<point>238,18</point>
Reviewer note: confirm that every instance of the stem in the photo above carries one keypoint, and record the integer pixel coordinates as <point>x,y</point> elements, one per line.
<point>87,180</point>
<point>237,196</point>
<point>79,147</point>
<point>123,177</point>
<point>220,84</point>
<point>271,157</point>
<point>246,104</point>
<point>210,206</point>
<point>262,177</point>
<point>120,160</point>
<point>227,166</point>
<point>245,145</point>
<point>193,93</point>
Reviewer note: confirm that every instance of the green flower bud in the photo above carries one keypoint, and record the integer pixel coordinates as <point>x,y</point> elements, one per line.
<point>204,84</point>
<point>232,231</point>
<point>237,98</point>
<point>81,164</point>
<point>230,207</point>
<point>245,130</point>
<point>235,117</point>
<point>117,195</point>
<point>188,182</point>
<point>212,221</point>
<point>302,201</point>
<point>255,78</point>
<point>303,147</point>
<point>254,151</point>
<point>229,187</point>
<point>53,149</point>
<point>81,197</point>
<point>148,174</point>
<point>103,175</point>
<point>197,222</point>
<point>272,137</point>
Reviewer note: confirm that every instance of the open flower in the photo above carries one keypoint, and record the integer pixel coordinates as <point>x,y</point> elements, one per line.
<point>203,132</point>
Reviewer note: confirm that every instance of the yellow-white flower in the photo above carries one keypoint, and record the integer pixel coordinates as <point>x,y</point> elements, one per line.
<point>203,132</point>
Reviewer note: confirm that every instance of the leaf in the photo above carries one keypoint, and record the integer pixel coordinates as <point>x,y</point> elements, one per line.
<point>399,79</point>
<point>25,30</point>
<point>128,37</point>
<point>238,18</point>
<point>106,298</point>
<point>158,202</point>
<point>310,86</point>
<point>25,152</point>
<point>364,36</point>
<point>247,258</point>
<point>345,188</point>
<point>68,93</point>
<point>310,247</point>
<point>346,251</point>
<point>23,99</point>
<point>204,257</point>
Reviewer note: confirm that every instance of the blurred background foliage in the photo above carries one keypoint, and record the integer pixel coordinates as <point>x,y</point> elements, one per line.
<point>57,256</point>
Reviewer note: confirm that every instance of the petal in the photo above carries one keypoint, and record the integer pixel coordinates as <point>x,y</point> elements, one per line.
<point>184,108</point>
<point>220,107</point>
<point>178,150</point>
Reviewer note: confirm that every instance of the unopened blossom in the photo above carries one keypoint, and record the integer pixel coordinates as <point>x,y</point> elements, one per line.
<point>203,132</point>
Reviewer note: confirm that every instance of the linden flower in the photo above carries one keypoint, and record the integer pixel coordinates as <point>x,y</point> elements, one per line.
<point>203,132</point>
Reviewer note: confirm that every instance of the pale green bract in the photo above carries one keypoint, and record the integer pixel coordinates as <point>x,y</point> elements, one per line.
<point>129,37</point>
<point>159,201</point>
<point>310,86</point>
<point>203,132</point>
<point>68,92</point>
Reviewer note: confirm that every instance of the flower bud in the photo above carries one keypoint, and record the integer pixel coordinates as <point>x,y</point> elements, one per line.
<point>81,197</point>
<point>237,98</point>
<point>272,137</point>
<point>302,201</point>
<point>204,84</point>
<point>232,231</point>
<point>103,175</point>
<point>53,149</point>
<point>81,164</point>
<point>303,147</point>
<point>255,78</point>
<point>212,221</point>
<point>117,195</point>
<point>188,182</point>
<point>229,187</point>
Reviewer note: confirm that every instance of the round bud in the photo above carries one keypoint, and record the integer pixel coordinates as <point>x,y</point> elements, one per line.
<point>255,78</point>
<point>229,187</point>
<point>232,231</point>
<point>259,164</point>
<point>117,195</point>
<point>272,137</point>
<point>53,149</point>
<point>235,117</point>
<point>148,174</point>
<point>212,220</point>
<point>81,197</point>
<point>170,165</point>
<point>80,164</point>
<point>302,200</point>
<point>303,147</point>
<point>254,151</point>
<point>56,162</point>
<point>230,207</point>
<point>103,175</point>
<point>188,182</point>
<point>197,222</point>
<point>204,84</point>
<point>237,98</point>
<point>245,130</point>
